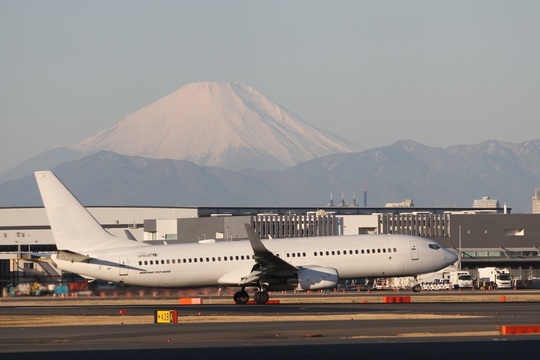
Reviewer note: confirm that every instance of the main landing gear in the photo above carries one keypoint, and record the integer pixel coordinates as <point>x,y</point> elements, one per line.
<point>242,297</point>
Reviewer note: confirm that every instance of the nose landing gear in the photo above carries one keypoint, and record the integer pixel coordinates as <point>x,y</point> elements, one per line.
<point>417,287</point>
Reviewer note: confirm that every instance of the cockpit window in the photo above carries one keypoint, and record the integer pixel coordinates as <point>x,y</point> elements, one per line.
<point>434,246</point>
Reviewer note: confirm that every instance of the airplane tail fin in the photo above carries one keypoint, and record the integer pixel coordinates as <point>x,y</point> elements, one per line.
<point>73,227</point>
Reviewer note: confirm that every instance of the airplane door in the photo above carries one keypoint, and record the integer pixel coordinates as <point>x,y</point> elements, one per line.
<point>414,250</point>
<point>123,261</point>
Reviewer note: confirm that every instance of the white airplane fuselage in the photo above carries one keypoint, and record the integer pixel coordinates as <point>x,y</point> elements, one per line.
<point>227,263</point>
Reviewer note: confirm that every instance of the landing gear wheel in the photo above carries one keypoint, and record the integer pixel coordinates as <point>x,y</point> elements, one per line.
<point>417,288</point>
<point>241,297</point>
<point>261,297</point>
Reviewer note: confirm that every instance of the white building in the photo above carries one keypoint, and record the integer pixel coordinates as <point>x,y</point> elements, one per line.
<point>536,201</point>
<point>486,202</point>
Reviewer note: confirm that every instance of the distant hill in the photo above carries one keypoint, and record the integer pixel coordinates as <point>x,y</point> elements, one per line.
<point>432,177</point>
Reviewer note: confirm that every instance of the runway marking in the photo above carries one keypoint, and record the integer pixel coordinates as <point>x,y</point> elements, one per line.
<point>67,320</point>
<point>467,333</point>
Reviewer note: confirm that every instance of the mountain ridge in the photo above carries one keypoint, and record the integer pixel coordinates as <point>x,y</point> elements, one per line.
<point>432,177</point>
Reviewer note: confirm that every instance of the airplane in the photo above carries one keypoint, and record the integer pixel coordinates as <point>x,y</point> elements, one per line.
<point>278,264</point>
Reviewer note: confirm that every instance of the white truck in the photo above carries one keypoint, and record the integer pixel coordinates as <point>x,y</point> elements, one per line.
<point>497,278</point>
<point>460,279</point>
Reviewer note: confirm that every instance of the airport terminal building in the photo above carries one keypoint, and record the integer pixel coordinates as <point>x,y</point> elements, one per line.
<point>482,236</point>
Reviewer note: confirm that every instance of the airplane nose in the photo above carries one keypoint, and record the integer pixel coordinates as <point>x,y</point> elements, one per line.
<point>451,256</point>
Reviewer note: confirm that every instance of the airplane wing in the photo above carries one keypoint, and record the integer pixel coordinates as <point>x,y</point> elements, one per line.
<point>266,263</point>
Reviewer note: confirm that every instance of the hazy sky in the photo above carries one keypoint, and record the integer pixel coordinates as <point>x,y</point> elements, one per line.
<point>375,72</point>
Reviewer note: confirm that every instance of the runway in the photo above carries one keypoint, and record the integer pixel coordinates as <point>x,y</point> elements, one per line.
<point>445,330</point>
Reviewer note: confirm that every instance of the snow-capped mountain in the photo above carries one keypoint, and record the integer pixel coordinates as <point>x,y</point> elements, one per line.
<point>230,125</point>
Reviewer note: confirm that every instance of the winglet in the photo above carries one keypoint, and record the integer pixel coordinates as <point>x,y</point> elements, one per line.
<point>265,257</point>
<point>255,241</point>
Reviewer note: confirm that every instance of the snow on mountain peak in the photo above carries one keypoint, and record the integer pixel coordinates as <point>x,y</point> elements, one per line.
<point>230,125</point>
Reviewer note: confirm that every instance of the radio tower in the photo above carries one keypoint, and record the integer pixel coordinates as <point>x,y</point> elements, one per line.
<point>365,193</point>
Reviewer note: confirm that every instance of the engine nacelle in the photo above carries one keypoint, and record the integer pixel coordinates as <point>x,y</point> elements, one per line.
<point>315,278</point>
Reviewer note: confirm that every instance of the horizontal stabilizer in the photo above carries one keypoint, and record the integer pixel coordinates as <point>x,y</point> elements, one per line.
<point>129,235</point>
<point>72,256</point>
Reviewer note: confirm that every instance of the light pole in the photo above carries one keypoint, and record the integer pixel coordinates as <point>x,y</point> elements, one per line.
<point>459,249</point>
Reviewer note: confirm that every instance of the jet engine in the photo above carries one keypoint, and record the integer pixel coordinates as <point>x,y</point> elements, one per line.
<point>314,278</point>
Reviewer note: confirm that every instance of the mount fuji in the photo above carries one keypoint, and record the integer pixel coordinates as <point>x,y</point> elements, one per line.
<point>229,125</point>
